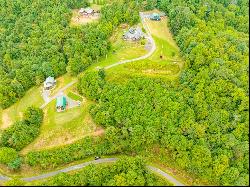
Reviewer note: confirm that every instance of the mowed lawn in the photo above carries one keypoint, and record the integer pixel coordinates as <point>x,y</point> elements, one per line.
<point>168,66</point>
<point>32,97</point>
<point>15,112</point>
<point>64,127</point>
<point>120,50</point>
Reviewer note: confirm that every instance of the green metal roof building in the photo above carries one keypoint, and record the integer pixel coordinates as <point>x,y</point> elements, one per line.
<point>155,16</point>
<point>61,103</point>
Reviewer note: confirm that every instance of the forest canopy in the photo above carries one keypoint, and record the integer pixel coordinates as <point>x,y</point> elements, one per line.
<point>204,119</point>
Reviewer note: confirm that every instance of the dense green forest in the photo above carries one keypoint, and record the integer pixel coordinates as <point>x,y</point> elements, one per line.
<point>203,118</point>
<point>36,41</point>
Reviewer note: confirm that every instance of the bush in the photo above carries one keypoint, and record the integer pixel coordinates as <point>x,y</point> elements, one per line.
<point>7,155</point>
<point>33,115</point>
<point>16,164</point>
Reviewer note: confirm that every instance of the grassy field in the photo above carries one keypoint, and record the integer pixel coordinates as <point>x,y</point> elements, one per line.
<point>15,112</point>
<point>165,61</point>
<point>121,50</point>
<point>75,96</point>
<point>63,128</point>
<point>32,97</point>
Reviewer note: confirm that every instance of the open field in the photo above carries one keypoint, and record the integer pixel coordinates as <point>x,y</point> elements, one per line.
<point>165,61</point>
<point>64,128</point>
<point>32,97</point>
<point>15,112</point>
<point>121,50</point>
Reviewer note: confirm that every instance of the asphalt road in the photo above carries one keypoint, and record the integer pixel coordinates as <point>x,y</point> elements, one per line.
<point>100,161</point>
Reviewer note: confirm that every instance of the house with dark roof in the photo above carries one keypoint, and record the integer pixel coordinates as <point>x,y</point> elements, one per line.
<point>86,11</point>
<point>134,34</point>
<point>155,16</point>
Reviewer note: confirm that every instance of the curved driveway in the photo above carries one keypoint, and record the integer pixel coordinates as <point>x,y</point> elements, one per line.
<point>150,40</point>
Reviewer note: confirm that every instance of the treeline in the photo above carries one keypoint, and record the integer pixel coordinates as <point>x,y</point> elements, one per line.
<point>202,122</point>
<point>19,135</point>
<point>37,41</point>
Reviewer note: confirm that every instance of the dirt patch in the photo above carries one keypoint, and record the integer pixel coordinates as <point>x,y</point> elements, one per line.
<point>99,132</point>
<point>6,121</point>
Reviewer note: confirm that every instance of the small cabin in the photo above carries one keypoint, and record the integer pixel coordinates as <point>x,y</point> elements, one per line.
<point>61,103</point>
<point>155,17</point>
<point>49,83</point>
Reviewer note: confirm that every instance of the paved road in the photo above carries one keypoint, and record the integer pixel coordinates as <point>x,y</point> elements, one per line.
<point>71,168</point>
<point>58,93</point>
<point>148,37</point>
<point>165,175</point>
<point>100,161</point>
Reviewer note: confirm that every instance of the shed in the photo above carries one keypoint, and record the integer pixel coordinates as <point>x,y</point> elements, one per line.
<point>155,16</point>
<point>49,83</point>
<point>61,103</point>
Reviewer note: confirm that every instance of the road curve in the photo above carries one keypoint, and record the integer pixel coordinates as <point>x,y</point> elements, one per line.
<point>100,161</point>
<point>165,175</point>
<point>150,40</point>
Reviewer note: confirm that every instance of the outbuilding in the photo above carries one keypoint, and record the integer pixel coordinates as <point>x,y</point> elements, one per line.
<point>155,16</point>
<point>61,103</point>
<point>86,11</point>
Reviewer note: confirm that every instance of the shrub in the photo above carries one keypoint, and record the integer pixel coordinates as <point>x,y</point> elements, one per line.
<point>16,164</point>
<point>7,155</point>
<point>33,115</point>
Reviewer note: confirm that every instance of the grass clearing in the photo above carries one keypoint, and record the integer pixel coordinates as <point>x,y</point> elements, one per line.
<point>32,97</point>
<point>165,62</point>
<point>64,128</point>
<point>121,50</point>
<point>15,112</point>
<point>74,96</point>
<point>77,20</point>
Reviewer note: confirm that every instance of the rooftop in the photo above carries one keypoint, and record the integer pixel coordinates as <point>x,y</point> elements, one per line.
<point>61,101</point>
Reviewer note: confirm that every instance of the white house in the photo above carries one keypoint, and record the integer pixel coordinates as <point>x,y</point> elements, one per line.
<point>49,83</point>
